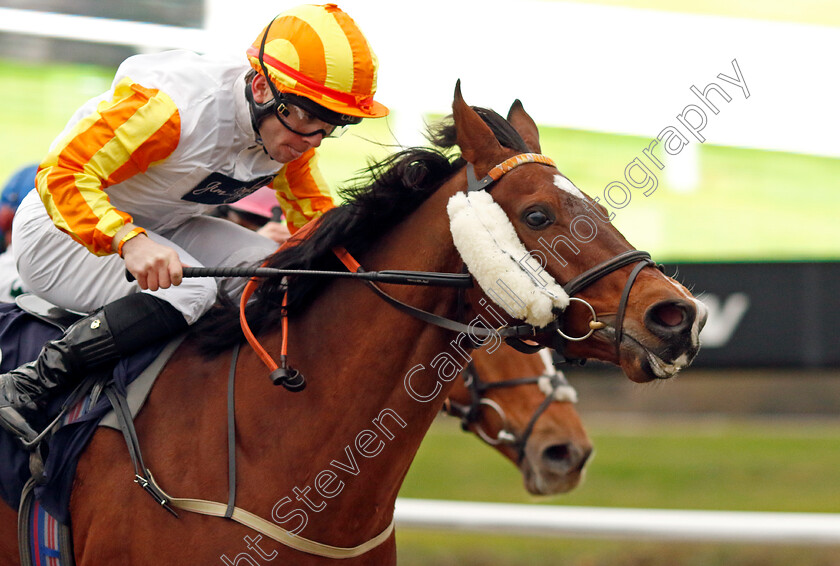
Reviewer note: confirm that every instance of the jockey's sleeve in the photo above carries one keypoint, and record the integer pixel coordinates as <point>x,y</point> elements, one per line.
<point>301,190</point>
<point>123,137</point>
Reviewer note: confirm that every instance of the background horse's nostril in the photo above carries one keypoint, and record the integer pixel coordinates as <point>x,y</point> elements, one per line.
<point>556,453</point>
<point>569,456</point>
<point>669,314</point>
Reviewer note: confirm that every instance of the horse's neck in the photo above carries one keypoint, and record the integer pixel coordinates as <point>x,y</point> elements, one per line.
<point>357,426</point>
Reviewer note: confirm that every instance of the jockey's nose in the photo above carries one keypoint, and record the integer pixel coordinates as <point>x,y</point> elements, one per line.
<point>314,140</point>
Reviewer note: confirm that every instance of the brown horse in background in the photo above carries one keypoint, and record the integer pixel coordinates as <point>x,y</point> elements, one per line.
<point>327,463</point>
<point>523,407</point>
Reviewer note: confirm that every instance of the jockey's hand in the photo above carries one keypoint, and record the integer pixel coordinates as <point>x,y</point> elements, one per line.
<point>277,231</point>
<point>154,265</point>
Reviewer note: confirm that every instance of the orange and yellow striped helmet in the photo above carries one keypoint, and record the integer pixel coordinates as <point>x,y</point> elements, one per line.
<point>320,53</point>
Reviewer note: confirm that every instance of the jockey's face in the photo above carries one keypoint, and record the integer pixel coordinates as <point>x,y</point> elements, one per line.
<point>281,143</point>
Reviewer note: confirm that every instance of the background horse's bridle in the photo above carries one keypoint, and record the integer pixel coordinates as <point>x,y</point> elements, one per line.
<point>558,390</point>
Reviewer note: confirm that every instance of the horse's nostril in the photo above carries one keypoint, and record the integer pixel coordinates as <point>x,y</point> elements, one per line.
<point>669,315</point>
<point>557,453</point>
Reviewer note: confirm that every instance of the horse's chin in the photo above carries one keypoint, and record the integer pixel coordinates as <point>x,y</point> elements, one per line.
<point>543,482</point>
<point>642,365</point>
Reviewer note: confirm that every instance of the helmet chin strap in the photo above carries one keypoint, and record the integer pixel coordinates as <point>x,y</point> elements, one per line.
<point>258,110</point>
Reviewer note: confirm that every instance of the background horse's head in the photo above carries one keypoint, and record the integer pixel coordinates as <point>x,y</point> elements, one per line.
<point>522,406</point>
<point>561,244</point>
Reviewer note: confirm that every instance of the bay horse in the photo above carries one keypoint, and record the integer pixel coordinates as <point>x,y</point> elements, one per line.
<point>326,463</point>
<point>523,407</point>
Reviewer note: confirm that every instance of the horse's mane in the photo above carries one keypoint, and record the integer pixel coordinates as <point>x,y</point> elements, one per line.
<point>376,201</point>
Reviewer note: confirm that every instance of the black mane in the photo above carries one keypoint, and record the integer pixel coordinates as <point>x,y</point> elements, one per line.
<point>381,198</point>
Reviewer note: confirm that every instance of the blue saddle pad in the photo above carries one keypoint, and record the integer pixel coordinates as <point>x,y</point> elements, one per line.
<point>21,339</point>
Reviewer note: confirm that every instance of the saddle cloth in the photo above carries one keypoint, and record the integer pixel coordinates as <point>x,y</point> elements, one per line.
<point>21,338</point>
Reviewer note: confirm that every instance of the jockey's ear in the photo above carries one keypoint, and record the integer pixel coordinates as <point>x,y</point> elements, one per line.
<point>524,125</point>
<point>475,138</point>
<point>259,86</point>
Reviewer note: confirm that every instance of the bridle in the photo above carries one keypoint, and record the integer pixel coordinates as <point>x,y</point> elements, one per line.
<point>552,383</point>
<point>514,334</point>
<point>577,284</point>
<point>281,374</point>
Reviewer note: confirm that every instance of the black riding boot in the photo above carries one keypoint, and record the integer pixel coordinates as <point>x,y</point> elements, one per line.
<point>120,328</point>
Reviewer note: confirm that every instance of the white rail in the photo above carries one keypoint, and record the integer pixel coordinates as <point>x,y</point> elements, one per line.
<point>660,524</point>
<point>101,30</point>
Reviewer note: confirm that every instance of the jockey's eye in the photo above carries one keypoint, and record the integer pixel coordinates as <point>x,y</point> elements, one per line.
<point>537,218</point>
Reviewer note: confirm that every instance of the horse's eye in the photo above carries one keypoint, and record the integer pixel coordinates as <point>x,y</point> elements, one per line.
<point>537,218</point>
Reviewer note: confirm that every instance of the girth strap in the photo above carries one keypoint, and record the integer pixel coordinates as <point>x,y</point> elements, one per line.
<point>272,530</point>
<point>142,475</point>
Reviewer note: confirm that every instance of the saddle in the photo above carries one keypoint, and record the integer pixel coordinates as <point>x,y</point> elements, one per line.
<point>42,497</point>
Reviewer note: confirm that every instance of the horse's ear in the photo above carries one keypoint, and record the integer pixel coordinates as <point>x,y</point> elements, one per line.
<point>525,125</point>
<point>474,137</point>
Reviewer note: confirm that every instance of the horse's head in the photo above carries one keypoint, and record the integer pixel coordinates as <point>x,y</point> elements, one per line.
<point>522,406</point>
<point>545,253</point>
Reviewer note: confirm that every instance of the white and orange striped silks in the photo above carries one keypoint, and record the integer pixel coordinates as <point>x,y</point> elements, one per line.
<point>123,137</point>
<point>136,152</point>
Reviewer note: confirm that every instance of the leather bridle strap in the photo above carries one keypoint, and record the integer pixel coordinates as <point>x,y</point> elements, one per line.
<point>590,276</point>
<point>522,442</point>
<point>641,258</point>
<point>496,173</point>
<point>430,318</point>
<point>622,305</point>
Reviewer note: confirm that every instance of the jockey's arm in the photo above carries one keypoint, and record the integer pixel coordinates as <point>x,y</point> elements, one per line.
<point>123,137</point>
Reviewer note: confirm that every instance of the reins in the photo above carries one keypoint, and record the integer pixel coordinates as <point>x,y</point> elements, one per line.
<point>425,316</point>
<point>281,374</point>
<point>394,276</point>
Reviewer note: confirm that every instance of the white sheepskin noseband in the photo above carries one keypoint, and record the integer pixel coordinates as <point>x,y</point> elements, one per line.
<point>489,246</point>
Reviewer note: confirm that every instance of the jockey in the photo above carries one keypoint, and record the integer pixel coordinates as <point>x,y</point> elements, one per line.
<point>127,184</point>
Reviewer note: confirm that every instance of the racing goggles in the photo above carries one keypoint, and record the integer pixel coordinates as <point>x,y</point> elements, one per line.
<point>299,121</point>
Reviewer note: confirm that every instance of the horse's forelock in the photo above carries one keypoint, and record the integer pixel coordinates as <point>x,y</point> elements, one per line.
<point>443,134</point>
